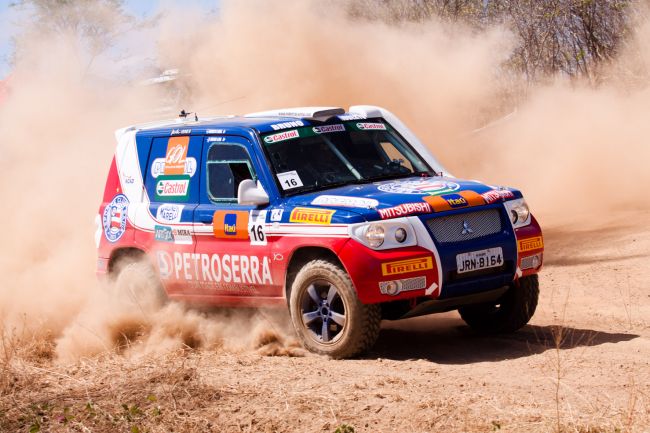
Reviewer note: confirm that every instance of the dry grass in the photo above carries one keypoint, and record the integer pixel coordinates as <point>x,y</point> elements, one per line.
<point>201,390</point>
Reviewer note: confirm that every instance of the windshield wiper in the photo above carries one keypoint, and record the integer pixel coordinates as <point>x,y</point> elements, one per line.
<point>313,188</point>
<point>392,176</point>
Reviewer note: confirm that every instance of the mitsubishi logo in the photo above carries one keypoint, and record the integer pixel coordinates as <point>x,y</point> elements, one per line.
<point>467,230</point>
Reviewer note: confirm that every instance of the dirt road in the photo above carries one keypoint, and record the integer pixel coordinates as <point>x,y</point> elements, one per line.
<point>582,365</point>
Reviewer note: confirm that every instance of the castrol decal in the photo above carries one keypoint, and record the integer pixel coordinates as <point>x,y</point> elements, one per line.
<point>173,188</point>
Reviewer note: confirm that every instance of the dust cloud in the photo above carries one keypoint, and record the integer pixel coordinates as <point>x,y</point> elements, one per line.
<point>568,147</point>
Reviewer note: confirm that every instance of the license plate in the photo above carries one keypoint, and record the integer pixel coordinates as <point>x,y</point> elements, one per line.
<point>477,260</point>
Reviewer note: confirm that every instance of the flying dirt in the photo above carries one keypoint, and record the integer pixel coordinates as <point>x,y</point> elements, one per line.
<point>578,152</point>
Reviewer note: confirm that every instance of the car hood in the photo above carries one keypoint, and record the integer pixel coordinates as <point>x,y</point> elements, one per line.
<point>401,197</point>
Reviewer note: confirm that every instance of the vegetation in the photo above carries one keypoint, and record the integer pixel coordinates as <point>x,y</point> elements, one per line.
<point>573,38</point>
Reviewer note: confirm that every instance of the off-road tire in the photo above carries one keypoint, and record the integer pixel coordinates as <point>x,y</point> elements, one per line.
<point>362,321</point>
<point>508,314</point>
<point>155,295</point>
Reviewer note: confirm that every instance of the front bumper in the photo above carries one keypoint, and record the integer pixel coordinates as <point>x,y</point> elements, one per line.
<point>429,270</point>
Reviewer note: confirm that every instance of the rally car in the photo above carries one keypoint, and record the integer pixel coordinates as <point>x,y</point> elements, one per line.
<point>343,216</point>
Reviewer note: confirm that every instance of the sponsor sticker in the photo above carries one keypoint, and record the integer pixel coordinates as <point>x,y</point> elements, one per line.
<point>446,202</point>
<point>165,264</point>
<point>371,126</point>
<point>349,116</point>
<point>158,167</point>
<point>276,215</point>
<point>215,131</point>
<point>215,268</point>
<point>285,125</point>
<point>495,195</point>
<point>173,234</point>
<point>422,187</point>
<point>170,213</point>
<point>257,227</point>
<point>173,188</point>
<point>163,234</point>
<point>180,131</point>
<point>491,196</point>
<point>289,180</point>
<point>530,244</point>
<point>114,218</point>
<point>307,215</point>
<point>455,200</point>
<point>405,209</point>
<point>176,155</point>
<point>326,129</point>
<point>230,224</point>
<point>345,201</point>
<point>406,266</point>
<point>282,136</point>
<point>182,236</point>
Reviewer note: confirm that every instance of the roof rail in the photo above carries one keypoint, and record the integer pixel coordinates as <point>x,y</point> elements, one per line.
<point>167,122</point>
<point>315,113</point>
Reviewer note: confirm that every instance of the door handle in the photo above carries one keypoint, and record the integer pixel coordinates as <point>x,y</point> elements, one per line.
<point>205,218</point>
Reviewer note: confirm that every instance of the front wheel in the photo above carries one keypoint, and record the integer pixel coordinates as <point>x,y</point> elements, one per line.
<point>511,312</point>
<point>327,314</point>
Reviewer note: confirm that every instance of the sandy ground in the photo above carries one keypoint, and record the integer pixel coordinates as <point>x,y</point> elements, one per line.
<point>582,365</point>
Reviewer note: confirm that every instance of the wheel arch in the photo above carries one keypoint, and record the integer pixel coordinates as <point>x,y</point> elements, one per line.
<point>302,256</point>
<point>123,253</point>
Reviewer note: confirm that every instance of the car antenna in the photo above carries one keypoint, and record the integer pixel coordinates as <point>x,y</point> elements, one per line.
<point>183,115</point>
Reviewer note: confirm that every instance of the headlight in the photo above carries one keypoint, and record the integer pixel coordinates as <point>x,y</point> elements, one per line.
<point>384,235</point>
<point>375,235</point>
<point>518,212</point>
<point>400,235</point>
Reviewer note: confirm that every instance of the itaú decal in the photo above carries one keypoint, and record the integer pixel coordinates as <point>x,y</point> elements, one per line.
<point>227,268</point>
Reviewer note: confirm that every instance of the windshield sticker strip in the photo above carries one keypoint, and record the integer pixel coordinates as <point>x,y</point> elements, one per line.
<point>371,126</point>
<point>282,136</point>
<point>326,129</point>
<point>285,125</point>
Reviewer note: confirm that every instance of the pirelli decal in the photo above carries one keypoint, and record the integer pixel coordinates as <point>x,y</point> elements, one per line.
<point>307,215</point>
<point>530,244</point>
<point>406,266</point>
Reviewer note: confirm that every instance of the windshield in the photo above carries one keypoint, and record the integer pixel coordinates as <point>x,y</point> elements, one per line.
<point>312,158</point>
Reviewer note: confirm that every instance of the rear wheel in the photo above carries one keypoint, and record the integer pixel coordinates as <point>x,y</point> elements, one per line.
<point>134,278</point>
<point>511,312</point>
<point>327,314</point>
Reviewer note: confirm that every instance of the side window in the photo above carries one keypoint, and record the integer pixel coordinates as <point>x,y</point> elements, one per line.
<point>227,165</point>
<point>172,167</point>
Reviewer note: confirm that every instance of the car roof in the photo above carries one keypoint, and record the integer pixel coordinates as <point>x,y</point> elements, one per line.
<point>262,122</point>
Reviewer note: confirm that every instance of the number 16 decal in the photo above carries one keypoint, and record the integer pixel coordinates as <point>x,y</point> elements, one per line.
<point>256,227</point>
<point>289,179</point>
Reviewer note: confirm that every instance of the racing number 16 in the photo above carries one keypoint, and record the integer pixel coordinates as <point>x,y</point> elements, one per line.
<point>291,183</point>
<point>257,233</point>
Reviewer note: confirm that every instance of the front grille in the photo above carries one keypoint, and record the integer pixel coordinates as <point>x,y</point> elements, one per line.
<point>465,226</point>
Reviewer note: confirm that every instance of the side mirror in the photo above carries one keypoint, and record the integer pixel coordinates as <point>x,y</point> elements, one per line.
<point>250,193</point>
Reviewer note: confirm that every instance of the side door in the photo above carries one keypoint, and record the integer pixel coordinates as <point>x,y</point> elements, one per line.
<point>172,193</point>
<point>232,249</point>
